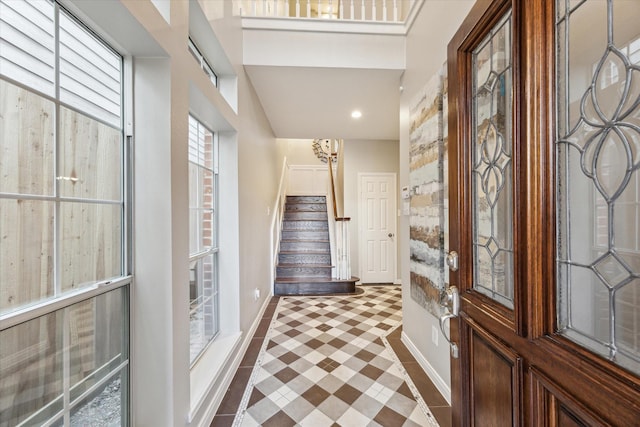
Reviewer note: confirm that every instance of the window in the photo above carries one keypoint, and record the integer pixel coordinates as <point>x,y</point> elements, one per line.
<point>597,138</point>
<point>64,283</point>
<point>204,64</point>
<point>203,247</point>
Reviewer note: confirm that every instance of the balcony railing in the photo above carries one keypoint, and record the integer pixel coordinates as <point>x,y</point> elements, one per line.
<point>353,10</point>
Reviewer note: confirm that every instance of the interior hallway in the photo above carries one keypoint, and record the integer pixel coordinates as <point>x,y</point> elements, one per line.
<point>332,360</point>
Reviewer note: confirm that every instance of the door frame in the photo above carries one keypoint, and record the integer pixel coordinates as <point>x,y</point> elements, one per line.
<point>362,216</point>
<point>549,372</point>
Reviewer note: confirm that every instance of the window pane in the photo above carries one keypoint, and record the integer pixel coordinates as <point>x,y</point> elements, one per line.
<point>598,183</point>
<point>90,73</point>
<point>26,252</point>
<point>203,311</point>
<point>492,171</point>
<point>91,243</point>
<point>103,408</point>
<point>31,371</point>
<point>96,340</point>
<point>90,158</point>
<point>27,43</point>
<point>26,141</point>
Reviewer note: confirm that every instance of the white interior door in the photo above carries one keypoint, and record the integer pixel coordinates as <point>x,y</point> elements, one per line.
<point>377,227</point>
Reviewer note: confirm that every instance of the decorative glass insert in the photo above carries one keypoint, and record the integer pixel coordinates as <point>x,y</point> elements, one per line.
<point>492,201</point>
<point>598,184</point>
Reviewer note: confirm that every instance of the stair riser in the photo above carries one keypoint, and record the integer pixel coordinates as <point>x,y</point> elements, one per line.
<point>304,235</point>
<point>306,207</point>
<point>305,247</point>
<point>304,259</point>
<point>311,288</point>
<point>306,199</point>
<point>305,225</point>
<point>301,271</point>
<point>294,215</point>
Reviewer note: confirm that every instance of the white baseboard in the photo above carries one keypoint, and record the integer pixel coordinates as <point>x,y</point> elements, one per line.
<point>218,394</point>
<point>437,380</point>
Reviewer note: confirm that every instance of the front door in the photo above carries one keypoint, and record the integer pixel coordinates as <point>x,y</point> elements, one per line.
<point>377,227</point>
<point>544,122</point>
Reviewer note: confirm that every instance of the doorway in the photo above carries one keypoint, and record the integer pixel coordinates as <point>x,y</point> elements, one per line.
<point>377,229</point>
<point>544,102</point>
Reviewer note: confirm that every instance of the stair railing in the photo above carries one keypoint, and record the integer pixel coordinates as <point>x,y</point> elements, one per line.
<point>353,10</point>
<point>341,242</point>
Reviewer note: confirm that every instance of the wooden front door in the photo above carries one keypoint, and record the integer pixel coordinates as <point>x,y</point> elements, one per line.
<point>544,149</point>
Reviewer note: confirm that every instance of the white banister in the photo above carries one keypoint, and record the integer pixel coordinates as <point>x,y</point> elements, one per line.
<point>356,10</point>
<point>343,249</point>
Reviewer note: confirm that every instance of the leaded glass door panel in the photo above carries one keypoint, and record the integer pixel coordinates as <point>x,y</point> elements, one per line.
<point>544,190</point>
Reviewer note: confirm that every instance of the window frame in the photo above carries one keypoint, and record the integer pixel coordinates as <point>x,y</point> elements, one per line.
<point>61,301</point>
<point>204,251</point>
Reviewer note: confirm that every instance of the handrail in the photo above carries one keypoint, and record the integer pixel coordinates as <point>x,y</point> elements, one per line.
<point>333,184</point>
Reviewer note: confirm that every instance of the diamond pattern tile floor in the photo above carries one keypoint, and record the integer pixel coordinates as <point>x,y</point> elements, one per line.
<point>325,361</point>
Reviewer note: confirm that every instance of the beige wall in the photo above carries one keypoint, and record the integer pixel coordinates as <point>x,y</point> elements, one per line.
<point>426,52</point>
<point>362,156</point>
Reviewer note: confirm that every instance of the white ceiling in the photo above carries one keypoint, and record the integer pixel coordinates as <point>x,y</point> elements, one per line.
<point>313,102</point>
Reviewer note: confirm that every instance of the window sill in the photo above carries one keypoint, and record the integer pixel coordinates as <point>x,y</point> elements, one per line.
<point>208,369</point>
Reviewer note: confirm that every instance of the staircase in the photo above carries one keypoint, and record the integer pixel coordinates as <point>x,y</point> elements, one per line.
<point>304,260</point>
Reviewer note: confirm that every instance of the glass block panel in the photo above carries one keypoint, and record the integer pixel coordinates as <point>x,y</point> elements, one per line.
<point>26,141</point>
<point>26,252</point>
<point>598,152</point>
<point>492,202</point>
<point>31,386</point>
<point>91,245</point>
<point>90,158</point>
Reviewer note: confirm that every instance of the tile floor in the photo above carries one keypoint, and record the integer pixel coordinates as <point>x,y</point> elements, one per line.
<point>325,361</point>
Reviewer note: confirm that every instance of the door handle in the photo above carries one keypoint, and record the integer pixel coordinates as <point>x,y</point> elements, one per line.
<point>451,302</point>
<point>390,234</point>
<point>452,260</point>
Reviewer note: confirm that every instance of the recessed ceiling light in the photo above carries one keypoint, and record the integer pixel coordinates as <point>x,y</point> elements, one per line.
<point>356,114</point>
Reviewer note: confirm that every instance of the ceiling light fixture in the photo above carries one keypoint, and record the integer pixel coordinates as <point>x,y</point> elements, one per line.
<point>356,114</point>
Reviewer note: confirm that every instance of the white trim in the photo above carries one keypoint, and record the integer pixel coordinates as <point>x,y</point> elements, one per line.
<point>231,365</point>
<point>437,380</point>
<point>212,364</point>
